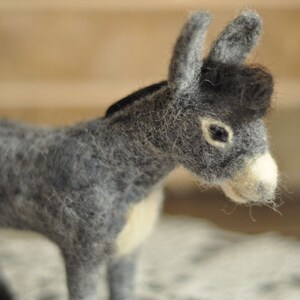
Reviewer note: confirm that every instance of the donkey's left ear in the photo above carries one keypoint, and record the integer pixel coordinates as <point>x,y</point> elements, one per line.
<point>237,39</point>
<point>186,61</point>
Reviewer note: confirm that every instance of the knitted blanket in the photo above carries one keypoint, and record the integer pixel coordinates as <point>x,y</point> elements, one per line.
<point>185,259</point>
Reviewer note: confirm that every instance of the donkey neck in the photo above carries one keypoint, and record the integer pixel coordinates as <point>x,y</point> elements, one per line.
<point>137,133</point>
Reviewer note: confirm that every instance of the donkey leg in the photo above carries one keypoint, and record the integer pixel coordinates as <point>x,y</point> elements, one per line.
<point>82,277</point>
<point>120,275</point>
<point>5,293</point>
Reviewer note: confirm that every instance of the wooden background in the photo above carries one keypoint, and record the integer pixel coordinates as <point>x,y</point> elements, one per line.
<point>63,61</point>
<point>82,53</point>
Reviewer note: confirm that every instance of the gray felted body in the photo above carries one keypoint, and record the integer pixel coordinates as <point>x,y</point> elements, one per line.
<point>77,185</point>
<point>79,179</point>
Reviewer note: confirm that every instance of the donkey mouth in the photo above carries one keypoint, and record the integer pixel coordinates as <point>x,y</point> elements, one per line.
<point>232,193</point>
<point>258,195</point>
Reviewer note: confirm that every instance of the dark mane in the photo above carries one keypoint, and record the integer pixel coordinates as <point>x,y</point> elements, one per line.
<point>246,88</point>
<point>135,96</point>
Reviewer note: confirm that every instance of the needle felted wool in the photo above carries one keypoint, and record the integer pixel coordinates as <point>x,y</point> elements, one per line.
<point>95,188</point>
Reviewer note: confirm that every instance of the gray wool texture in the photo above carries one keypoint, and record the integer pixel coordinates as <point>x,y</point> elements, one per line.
<point>75,184</point>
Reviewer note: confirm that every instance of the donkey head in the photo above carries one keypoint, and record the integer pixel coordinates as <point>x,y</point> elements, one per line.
<point>217,130</point>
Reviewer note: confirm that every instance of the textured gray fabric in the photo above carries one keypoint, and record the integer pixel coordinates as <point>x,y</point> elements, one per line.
<point>186,63</point>
<point>208,263</point>
<point>237,39</point>
<point>75,185</point>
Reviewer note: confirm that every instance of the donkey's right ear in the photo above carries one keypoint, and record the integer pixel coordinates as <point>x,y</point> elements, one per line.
<point>186,61</point>
<point>237,39</point>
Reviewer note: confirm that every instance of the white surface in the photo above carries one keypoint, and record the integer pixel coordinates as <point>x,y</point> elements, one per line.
<point>185,259</point>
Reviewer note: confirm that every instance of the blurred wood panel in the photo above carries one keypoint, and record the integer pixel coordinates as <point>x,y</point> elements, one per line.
<point>84,46</point>
<point>142,5</point>
<point>63,94</point>
<point>212,205</point>
<point>80,94</point>
<point>65,45</point>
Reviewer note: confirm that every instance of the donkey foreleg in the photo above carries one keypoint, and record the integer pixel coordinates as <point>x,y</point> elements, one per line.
<point>120,276</point>
<point>83,276</point>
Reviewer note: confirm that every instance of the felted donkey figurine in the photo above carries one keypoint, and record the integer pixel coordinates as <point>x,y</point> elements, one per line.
<point>95,189</point>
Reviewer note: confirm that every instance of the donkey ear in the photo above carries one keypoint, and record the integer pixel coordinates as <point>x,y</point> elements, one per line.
<point>237,39</point>
<point>186,63</point>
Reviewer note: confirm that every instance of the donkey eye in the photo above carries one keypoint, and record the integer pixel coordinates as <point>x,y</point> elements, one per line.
<point>218,133</point>
<point>215,132</point>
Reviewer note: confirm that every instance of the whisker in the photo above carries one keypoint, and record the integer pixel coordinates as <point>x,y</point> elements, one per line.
<point>250,214</point>
<point>274,207</point>
<point>231,211</point>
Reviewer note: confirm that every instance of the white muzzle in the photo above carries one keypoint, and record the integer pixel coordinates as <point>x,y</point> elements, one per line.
<point>256,183</point>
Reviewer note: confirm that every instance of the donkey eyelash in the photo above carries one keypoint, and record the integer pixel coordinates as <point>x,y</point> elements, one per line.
<point>216,133</point>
